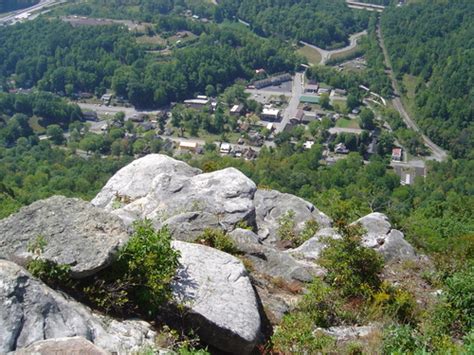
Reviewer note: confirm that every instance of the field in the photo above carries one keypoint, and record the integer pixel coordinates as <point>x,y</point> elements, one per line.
<point>311,54</point>
<point>345,54</point>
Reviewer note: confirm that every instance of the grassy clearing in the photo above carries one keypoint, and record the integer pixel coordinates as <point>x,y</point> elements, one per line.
<point>35,125</point>
<point>409,82</point>
<point>311,54</point>
<point>344,54</point>
<point>151,40</point>
<point>347,123</point>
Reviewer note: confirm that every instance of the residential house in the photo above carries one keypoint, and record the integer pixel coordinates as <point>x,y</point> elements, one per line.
<point>90,116</point>
<point>225,148</point>
<point>341,149</point>
<point>106,99</point>
<point>237,110</point>
<point>270,114</point>
<point>397,154</point>
<point>311,89</point>
<point>190,146</point>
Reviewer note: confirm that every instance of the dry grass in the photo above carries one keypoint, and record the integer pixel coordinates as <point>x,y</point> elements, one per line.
<point>311,54</point>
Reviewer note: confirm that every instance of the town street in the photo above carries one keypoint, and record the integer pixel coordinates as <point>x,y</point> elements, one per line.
<point>292,107</point>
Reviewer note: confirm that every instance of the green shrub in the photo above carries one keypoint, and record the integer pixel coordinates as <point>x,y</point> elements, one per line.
<point>394,302</point>
<point>401,339</point>
<point>51,273</point>
<point>352,268</point>
<point>322,304</point>
<point>216,238</point>
<point>287,229</point>
<point>296,335</point>
<point>140,277</point>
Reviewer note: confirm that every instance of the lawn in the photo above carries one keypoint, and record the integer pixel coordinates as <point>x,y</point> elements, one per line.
<point>311,54</point>
<point>35,125</point>
<point>347,123</point>
<point>345,54</point>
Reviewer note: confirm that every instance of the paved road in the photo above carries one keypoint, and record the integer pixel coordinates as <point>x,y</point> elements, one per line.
<point>42,4</point>
<point>437,153</point>
<point>292,108</point>
<point>326,55</point>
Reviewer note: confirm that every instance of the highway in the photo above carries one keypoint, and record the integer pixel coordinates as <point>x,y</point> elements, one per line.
<point>437,153</point>
<point>11,17</point>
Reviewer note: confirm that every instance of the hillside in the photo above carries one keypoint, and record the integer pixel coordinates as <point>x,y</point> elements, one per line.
<point>432,53</point>
<point>330,25</point>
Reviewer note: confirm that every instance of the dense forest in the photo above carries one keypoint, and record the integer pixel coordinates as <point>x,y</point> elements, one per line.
<point>330,24</point>
<point>142,10</point>
<point>56,57</point>
<point>434,45</point>
<point>11,5</point>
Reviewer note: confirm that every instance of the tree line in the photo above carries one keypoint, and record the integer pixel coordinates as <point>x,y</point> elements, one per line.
<point>432,42</point>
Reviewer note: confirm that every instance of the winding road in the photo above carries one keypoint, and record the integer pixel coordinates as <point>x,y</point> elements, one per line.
<point>437,153</point>
<point>326,55</point>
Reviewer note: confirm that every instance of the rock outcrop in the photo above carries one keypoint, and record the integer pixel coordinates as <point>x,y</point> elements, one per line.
<point>73,345</point>
<point>380,236</point>
<point>218,299</point>
<point>136,180</point>
<point>74,233</point>
<point>30,311</point>
<point>227,194</point>
<point>271,205</point>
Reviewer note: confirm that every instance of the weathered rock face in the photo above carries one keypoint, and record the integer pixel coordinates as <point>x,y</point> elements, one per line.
<point>30,311</point>
<point>272,268</point>
<point>346,334</point>
<point>312,248</point>
<point>380,236</point>
<point>271,205</point>
<point>74,345</point>
<point>188,226</point>
<point>136,180</point>
<point>219,301</point>
<point>227,194</point>
<point>76,233</point>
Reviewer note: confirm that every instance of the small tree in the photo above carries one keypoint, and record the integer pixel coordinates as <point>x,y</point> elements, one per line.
<point>55,133</point>
<point>352,268</point>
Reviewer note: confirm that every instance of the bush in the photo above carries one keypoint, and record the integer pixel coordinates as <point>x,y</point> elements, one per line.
<point>401,339</point>
<point>216,238</point>
<point>138,281</point>
<point>296,335</point>
<point>352,268</point>
<point>287,229</point>
<point>46,270</point>
<point>394,302</point>
<point>321,303</point>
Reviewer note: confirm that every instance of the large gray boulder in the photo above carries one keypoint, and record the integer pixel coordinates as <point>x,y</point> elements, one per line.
<point>73,345</point>
<point>227,194</point>
<point>75,232</point>
<point>381,237</point>
<point>136,180</point>
<point>216,297</point>
<point>188,226</point>
<point>312,248</point>
<point>271,205</point>
<point>30,311</point>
